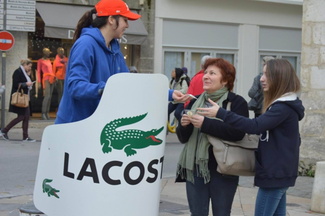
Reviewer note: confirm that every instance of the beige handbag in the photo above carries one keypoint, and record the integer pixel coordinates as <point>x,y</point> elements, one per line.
<point>19,98</point>
<point>235,158</point>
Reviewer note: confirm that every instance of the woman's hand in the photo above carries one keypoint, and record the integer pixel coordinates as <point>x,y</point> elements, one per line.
<point>180,97</point>
<point>209,112</point>
<point>185,120</point>
<point>197,120</point>
<point>29,83</point>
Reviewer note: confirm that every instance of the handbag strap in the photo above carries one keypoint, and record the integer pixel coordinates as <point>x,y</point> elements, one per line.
<point>20,89</point>
<point>228,106</point>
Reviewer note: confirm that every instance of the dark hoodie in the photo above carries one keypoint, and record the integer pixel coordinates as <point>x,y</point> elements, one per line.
<point>277,156</point>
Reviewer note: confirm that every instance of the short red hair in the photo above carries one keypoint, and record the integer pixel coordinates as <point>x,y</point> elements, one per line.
<point>228,71</point>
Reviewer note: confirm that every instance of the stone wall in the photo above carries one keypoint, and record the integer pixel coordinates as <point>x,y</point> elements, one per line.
<point>313,80</point>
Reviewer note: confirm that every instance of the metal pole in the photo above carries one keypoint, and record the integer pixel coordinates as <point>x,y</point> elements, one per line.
<point>3,79</point>
<point>3,98</point>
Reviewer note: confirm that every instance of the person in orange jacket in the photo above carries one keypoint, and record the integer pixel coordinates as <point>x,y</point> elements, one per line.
<point>59,69</point>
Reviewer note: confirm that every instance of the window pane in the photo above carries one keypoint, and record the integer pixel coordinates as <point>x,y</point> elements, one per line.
<point>171,61</point>
<point>261,65</point>
<point>228,57</point>
<point>196,63</point>
<point>292,60</point>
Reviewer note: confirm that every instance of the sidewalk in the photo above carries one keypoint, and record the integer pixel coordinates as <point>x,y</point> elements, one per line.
<point>173,196</point>
<point>173,201</point>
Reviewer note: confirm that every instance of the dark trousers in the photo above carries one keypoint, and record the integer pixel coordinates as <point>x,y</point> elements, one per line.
<point>221,190</point>
<point>24,118</point>
<point>178,108</point>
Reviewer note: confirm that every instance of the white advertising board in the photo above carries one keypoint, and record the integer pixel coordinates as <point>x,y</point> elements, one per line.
<point>110,163</point>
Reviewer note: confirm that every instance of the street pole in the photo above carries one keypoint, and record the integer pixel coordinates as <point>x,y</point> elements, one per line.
<point>3,82</point>
<point>3,77</point>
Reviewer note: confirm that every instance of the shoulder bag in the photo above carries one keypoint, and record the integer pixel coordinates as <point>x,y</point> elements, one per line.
<point>19,98</point>
<point>235,158</point>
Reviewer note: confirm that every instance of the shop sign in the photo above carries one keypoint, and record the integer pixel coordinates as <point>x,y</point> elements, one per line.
<point>1,13</point>
<point>20,15</point>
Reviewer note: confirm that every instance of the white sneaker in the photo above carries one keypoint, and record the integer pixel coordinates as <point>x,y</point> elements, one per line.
<point>29,140</point>
<point>4,135</point>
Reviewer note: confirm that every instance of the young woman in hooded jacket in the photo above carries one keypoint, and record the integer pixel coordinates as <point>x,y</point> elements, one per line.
<point>277,156</point>
<point>94,57</point>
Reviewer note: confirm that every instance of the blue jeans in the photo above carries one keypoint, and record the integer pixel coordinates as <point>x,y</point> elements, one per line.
<point>221,190</point>
<point>271,201</point>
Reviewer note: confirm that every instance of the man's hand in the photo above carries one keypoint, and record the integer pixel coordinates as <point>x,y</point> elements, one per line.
<point>209,112</point>
<point>180,97</point>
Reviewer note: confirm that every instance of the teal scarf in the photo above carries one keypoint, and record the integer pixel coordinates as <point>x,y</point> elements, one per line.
<point>195,153</point>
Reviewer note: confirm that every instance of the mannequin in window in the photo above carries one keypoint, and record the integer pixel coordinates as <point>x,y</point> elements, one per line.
<point>59,68</point>
<point>45,78</point>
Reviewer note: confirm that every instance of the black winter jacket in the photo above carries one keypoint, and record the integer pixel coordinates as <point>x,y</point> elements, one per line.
<point>217,128</point>
<point>18,77</point>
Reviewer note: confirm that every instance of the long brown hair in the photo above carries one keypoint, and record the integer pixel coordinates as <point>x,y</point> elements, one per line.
<point>87,19</point>
<point>281,79</point>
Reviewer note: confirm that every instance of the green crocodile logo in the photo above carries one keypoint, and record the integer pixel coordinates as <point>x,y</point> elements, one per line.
<point>49,189</point>
<point>129,139</point>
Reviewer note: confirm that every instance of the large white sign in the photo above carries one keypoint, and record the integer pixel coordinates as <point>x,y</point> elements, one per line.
<point>111,162</point>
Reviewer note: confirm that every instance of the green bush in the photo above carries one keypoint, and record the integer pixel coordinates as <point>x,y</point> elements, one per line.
<point>306,169</point>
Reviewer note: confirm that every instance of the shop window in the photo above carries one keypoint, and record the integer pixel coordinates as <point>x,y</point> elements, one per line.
<point>196,62</point>
<point>171,61</point>
<point>226,56</point>
<point>293,59</point>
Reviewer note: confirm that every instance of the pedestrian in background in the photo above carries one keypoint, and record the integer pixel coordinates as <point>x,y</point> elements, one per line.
<point>256,92</point>
<point>277,157</point>
<point>20,78</point>
<point>178,82</point>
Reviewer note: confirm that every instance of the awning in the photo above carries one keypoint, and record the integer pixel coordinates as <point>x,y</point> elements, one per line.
<point>61,20</point>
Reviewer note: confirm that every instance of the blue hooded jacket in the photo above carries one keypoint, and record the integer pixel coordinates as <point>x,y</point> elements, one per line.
<point>90,64</point>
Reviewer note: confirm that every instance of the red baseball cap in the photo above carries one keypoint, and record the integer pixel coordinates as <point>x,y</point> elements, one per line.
<point>115,7</point>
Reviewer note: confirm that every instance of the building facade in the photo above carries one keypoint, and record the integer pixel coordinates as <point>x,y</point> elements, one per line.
<point>241,31</point>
